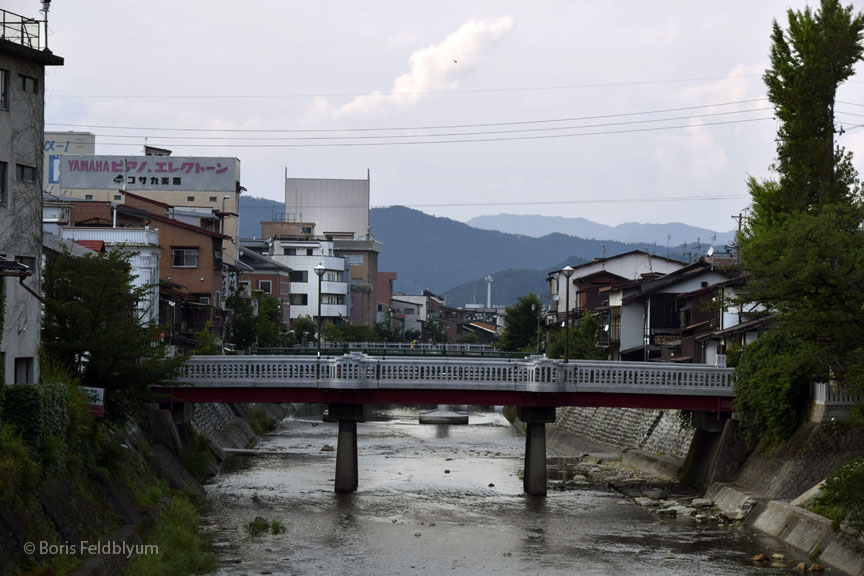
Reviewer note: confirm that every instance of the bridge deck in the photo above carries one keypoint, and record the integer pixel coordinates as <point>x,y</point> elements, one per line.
<point>534,381</point>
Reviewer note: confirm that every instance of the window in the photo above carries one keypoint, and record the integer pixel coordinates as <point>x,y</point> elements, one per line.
<point>284,288</point>
<point>29,84</point>
<point>409,311</point>
<point>25,173</point>
<point>3,192</point>
<point>24,370</point>
<point>214,198</point>
<point>265,286</point>
<point>305,229</point>
<point>190,198</point>
<point>299,299</point>
<point>309,252</point>
<point>290,251</point>
<point>184,257</point>
<point>217,259</point>
<point>332,299</point>
<point>217,299</point>
<point>4,89</point>
<point>88,197</point>
<point>117,197</point>
<point>355,259</point>
<point>299,276</point>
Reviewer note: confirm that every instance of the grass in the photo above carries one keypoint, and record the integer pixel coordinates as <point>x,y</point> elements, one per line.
<point>182,548</point>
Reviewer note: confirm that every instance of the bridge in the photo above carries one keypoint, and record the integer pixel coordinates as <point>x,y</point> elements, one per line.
<point>536,385</point>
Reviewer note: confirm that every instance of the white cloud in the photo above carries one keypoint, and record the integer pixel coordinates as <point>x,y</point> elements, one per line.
<point>436,67</point>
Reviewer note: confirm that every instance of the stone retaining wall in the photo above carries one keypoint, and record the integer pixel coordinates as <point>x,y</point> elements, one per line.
<point>655,431</point>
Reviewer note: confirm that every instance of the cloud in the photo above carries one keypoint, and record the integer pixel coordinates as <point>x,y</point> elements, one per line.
<point>436,67</point>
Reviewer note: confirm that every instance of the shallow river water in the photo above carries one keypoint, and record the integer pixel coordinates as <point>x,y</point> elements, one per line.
<point>445,500</point>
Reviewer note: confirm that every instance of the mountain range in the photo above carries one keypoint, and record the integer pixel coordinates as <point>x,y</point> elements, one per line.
<point>675,233</point>
<point>452,258</point>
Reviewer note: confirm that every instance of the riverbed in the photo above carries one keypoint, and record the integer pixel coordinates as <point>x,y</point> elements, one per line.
<point>438,499</point>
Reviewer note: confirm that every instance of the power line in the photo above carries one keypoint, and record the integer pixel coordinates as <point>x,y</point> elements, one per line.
<point>453,141</point>
<point>392,94</point>
<point>442,127</point>
<point>167,139</point>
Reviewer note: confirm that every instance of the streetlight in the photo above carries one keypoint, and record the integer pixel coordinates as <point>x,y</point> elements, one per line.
<point>319,270</point>
<point>567,272</point>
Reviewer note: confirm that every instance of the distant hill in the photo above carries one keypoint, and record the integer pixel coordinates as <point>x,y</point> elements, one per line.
<point>438,254</point>
<point>451,258</point>
<point>255,210</point>
<point>650,234</point>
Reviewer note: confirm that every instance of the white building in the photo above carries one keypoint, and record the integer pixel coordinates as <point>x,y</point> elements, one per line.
<point>302,256</point>
<point>339,208</point>
<point>630,265</point>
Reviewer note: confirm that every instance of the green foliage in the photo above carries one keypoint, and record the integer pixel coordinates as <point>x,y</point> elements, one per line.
<point>772,386</point>
<point>205,342</point>
<point>469,339</point>
<point>583,341</point>
<point>91,328</point>
<point>260,421</point>
<point>436,332</point>
<point>841,499</point>
<point>182,546</point>
<point>269,325</point>
<point>41,413</point>
<point>304,324</point>
<point>803,245</point>
<point>196,456</point>
<point>19,472</point>
<point>521,325</point>
<point>151,494</point>
<point>241,327</point>
<point>260,525</point>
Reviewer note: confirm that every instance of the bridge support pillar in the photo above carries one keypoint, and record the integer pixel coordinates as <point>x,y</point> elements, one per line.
<point>346,446</point>
<point>535,419</point>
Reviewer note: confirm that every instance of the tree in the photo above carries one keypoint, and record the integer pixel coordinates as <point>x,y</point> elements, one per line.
<point>205,342</point>
<point>521,323</point>
<point>802,244</point>
<point>582,341</point>
<point>304,327</point>
<point>269,322</point>
<point>91,328</point>
<point>241,327</point>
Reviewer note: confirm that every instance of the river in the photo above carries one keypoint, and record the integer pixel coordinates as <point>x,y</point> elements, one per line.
<point>439,499</point>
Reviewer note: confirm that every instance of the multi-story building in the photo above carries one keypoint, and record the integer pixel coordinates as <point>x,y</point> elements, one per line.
<point>206,185</point>
<point>23,58</point>
<point>339,212</point>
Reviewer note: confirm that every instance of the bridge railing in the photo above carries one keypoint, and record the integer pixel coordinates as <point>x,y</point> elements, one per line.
<point>827,394</point>
<point>536,373</point>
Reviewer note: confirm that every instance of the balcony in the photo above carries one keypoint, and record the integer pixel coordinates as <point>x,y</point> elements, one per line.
<point>127,236</point>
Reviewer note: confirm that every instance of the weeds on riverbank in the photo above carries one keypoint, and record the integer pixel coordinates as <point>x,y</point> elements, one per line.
<point>181,547</point>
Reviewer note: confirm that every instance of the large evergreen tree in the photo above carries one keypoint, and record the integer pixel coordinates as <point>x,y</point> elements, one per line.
<point>92,328</point>
<point>521,324</point>
<point>802,244</point>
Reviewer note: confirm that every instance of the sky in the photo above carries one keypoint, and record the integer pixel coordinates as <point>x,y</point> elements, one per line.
<point>612,111</point>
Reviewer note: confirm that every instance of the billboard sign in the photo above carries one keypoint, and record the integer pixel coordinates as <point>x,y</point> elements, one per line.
<point>80,172</point>
<point>97,399</point>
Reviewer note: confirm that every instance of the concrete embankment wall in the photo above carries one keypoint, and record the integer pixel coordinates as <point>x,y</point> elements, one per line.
<point>758,486</point>
<point>655,431</point>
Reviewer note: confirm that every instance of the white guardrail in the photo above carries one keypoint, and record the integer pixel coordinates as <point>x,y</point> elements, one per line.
<point>827,394</point>
<point>533,374</point>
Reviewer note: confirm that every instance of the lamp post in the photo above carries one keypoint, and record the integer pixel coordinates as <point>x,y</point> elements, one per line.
<point>534,309</point>
<point>319,270</point>
<point>567,272</point>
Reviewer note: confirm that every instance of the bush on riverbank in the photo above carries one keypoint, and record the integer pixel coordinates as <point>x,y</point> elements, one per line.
<point>182,547</point>
<point>841,500</point>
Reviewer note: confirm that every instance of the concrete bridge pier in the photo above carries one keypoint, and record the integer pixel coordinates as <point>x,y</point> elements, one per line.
<point>346,446</point>
<point>535,419</point>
